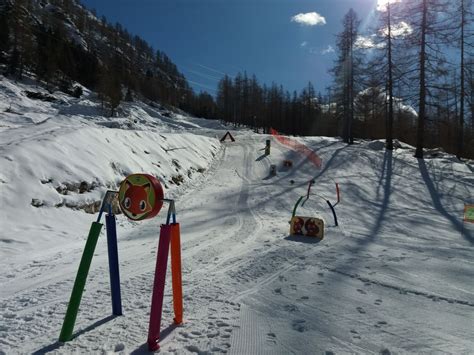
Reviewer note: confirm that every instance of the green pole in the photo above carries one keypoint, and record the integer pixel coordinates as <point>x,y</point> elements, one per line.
<point>78,289</point>
<point>296,206</point>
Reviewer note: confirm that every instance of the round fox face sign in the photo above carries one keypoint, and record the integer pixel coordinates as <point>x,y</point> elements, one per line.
<point>140,196</point>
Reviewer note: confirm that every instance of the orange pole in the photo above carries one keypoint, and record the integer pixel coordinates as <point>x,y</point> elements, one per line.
<point>176,280</point>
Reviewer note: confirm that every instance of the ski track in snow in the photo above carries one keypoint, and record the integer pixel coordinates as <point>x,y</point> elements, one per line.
<point>243,290</point>
<point>394,277</point>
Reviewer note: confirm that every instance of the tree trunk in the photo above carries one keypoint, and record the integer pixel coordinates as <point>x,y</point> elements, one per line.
<point>461,113</point>
<point>389,141</point>
<point>421,109</point>
<point>351,86</point>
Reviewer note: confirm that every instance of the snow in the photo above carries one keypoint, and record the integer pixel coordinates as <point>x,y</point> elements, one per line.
<point>394,276</point>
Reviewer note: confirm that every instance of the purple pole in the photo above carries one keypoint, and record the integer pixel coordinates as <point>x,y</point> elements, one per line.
<point>113,264</point>
<point>159,288</point>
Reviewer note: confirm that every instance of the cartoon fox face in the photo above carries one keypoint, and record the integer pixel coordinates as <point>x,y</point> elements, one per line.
<point>140,196</point>
<point>136,200</point>
<point>298,226</point>
<point>312,228</point>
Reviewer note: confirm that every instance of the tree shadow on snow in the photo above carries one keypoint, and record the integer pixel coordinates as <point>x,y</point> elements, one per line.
<point>386,174</point>
<point>456,222</point>
<point>329,163</point>
<point>385,183</point>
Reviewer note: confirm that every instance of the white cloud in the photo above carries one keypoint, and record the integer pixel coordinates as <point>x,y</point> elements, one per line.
<point>303,44</point>
<point>400,29</point>
<point>328,50</point>
<point>309,19</point>
<point>365,42</point>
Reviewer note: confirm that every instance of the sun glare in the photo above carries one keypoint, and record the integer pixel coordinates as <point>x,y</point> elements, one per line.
<point>382,4</point>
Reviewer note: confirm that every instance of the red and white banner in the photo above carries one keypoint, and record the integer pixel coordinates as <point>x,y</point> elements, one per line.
<point>298,147</point>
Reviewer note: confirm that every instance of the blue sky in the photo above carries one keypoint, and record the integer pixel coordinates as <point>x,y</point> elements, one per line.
<point>207,38</point>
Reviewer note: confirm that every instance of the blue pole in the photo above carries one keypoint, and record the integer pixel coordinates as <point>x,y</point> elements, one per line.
<point>333,212</point>
<point>113,264</point>
<point>174,213</point>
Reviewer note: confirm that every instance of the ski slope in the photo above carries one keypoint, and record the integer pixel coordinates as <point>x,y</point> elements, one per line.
<point>394,277</point>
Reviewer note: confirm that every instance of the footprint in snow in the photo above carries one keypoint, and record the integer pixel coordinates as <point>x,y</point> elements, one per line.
<point>119,347</point>
<point>355,334</point>
<point>221,324</point>
<point>225,336</point>
<point>271,338</point>
<point>216,349</point>
<point>290,308</point>
<point>360,310</point>
<point>378,302</point>
<point>213,334</point>
<point>299,325</point>
<point>187,335</point>
<point>361,291</point>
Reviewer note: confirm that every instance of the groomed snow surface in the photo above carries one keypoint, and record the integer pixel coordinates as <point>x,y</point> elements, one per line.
<point>396,275</point>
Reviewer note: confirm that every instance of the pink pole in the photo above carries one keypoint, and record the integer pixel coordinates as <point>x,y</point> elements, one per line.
<point>337,191</point>
<point>159,288</point>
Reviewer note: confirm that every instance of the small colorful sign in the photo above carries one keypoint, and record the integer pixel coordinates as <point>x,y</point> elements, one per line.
<point>469,213</point>
<point>140,196</point>
<point>307,226</point>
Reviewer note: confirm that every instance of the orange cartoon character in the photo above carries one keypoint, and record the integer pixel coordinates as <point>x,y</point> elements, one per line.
<point>312,228</point>
<point>298,224</point>
<point>140,196</point>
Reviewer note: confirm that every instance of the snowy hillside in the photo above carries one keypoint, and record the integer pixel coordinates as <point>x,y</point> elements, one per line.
<point>60,157</point>
<point>394,277</point>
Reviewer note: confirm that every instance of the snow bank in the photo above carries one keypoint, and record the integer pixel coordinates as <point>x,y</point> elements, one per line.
<point>58,158</point>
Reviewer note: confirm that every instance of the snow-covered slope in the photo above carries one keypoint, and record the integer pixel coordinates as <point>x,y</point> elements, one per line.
<point>62,156</point>
<point>394,277</point>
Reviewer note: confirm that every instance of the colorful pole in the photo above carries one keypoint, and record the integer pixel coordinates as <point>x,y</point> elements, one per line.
<point>337,192</point>
<point>176,273</point>
<point>159,288</point>
<point>80,282</point>
<point>309,188</point>
<point>113,264</point>
<point>333,212</point>
<point>296,206</point>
